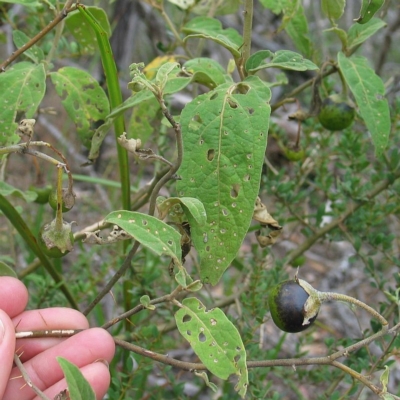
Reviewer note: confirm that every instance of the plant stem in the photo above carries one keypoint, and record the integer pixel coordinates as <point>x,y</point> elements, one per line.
<point>329,296</point>
<point>19,224</point>
<point>247,31</point>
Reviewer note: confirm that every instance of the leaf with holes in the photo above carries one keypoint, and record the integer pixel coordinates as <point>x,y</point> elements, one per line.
<point>283,59</point>
<point>368,90</point>
<point>150,232</point>
<point>83,98</point>
<point>82,31</point>
<point>215,340</point>
<point>211,28</point>
<point>22,88</point>
<point>224,139</point>
<point>35,53</point>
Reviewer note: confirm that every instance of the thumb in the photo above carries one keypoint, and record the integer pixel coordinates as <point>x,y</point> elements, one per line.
<point>7,349</point>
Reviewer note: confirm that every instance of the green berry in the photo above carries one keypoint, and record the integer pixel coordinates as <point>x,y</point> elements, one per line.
<point>336,114</point>
<point>286,303</point>
<point>53,200</point>
<point>42,193</point>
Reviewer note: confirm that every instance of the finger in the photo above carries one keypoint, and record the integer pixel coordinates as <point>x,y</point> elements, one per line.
<point>46,319</point>
<point>96,374</point>
<point>13,295</point>
<point>7,347</point>
<point>44,371</point>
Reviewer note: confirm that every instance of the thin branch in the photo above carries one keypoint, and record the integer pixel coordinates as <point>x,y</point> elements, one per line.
<point>27,379</point>
<point>351,208</point>
<point>64,12</point>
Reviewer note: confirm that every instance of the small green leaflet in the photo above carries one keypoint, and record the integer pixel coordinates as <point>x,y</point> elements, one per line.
<point>83,99</point>
<point>368,10</point>
<point>207,72</point>
<point>215,340</point>
<point>224,139</point>
<point>210,28</point>
<point>191,206</point>
<point>8,190</point>
<point>150,232</point>
<point>333,9</point>
<point>82,31</point>
<point>78,387</point>
<point>6,270</point>
<point>22,88</point>
<point>360,33</point>
<point>284,59</point>
<point>368,90</point>
<point>35,53</point>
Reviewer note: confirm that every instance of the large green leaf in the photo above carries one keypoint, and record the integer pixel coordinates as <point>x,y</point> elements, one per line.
<point>210,28</point>
<point>149,231</point>
<point>83,32</point>
<point>215,340</point>
<point>22,88</point>
<point>368,90</point>
<point>360,33</point>
<point>78,387</point>
<point>284,59</point>
<point>224,139</point>
<point>83,98</point>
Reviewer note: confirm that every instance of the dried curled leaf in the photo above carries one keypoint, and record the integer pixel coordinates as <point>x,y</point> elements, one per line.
<point>269,224</point>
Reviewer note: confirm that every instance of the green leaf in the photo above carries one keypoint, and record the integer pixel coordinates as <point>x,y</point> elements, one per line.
<point>164,72</point>
<point>384,379</point>
<point>223,7</point>
<point>6,270</point>
<point>210,28</point>
<point>224,139</point>
<point>284,59</point>
<point>25,85</point>
<point>78,387</point>
<point>145,302</point>
<point>297,28</point>
<point>192,207</point>
<point>174,84</point>
<point>35,53</point>
<point>8,190</point>
<point>206,71</point>
<point>333,9</point>
<point>27,3</point>
<point>276,6</point>
<point>368,90</point>
<point>83,98</point>
<point>215,340</point>
<point>360,33</point>
<point>342,35</point>
<point>368,10</point>
<point>149,231</point>
<point>83,32</point>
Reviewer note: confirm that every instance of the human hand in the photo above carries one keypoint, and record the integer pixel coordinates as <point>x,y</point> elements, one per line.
<point>84,349</point>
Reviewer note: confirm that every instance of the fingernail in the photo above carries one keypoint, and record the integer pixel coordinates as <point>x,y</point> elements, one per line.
<point>2,331</point>
<point>103,361</point>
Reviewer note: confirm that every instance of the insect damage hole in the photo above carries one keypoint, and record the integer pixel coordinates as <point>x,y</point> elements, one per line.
<point>235,191</point>
<point>186,318</point>
<point>210,154</point>
<point>202,337</point>
<point>232,103</point>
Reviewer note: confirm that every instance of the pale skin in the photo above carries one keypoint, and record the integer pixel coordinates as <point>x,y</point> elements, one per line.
<point>90,350</point>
